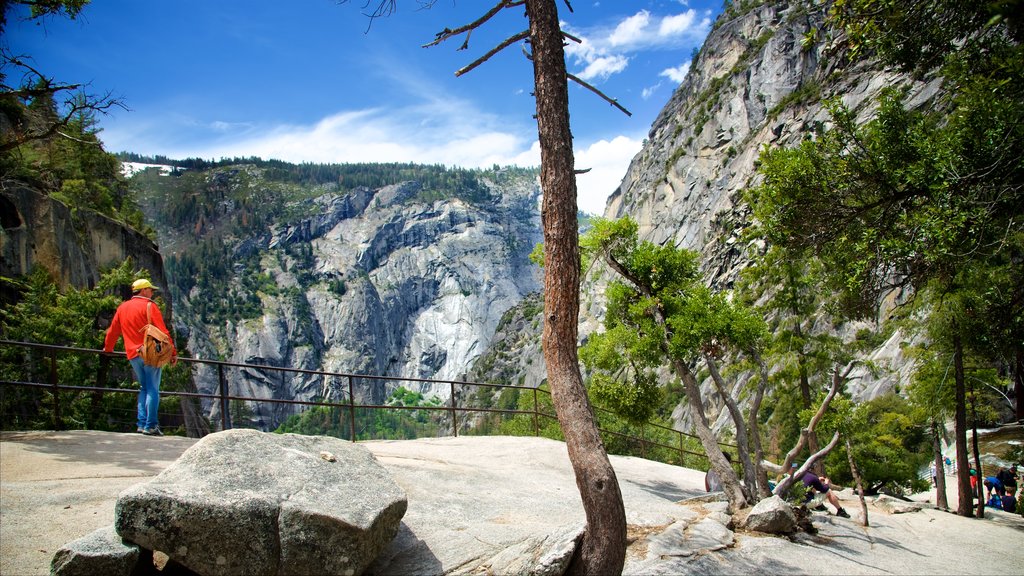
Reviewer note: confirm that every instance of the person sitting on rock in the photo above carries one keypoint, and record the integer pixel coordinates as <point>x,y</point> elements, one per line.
<point>821,484</point>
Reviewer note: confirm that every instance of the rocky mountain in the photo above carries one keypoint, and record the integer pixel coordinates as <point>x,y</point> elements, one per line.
<point>761,78</point>
<point>381,279</point>
<point>407,279</point>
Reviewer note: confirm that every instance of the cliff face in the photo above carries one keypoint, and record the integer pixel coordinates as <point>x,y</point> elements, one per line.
<point>40,231</point>
<point>761,79</point>
<point>379,281</point>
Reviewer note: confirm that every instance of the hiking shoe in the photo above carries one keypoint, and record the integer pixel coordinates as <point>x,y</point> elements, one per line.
<point>842,513</point>
<point>152,432</point>
<point>820,508</point>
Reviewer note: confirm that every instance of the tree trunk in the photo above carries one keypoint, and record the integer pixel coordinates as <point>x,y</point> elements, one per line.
<point>755,428</point>
<point>940,469</point>
<point>1018,383</point>
<point>980,509</point>
<point>742,439</point>
<point>730,482</point>
<point>964,496</point>
<point>858,480</point>
<point>603,550</point>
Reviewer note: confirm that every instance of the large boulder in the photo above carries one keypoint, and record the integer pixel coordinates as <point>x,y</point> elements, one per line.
<point>772,515</point>
<point>247,502</point>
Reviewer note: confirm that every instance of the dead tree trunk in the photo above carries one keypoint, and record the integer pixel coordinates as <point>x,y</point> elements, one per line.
<point>603,549</point>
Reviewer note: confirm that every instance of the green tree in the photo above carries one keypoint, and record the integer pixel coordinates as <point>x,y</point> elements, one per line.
<point>889,441</point>
<point>46,314</point>
<point>940,200</point>
<point>659,314</point>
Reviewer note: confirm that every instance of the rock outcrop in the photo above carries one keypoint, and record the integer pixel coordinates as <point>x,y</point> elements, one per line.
<point>100,552</point>
<point>72,247</point>
<point>762,78</point>
<point>245,502</point>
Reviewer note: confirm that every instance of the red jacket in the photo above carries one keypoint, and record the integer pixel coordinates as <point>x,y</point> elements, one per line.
<point>128,322</point>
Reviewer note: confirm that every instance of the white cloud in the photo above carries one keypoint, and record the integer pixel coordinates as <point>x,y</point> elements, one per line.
<point>603,67</point>
<point>632,30</point>
<point>608,162</point>
<point>677,74</point>
<point>646,93</point>
<point>603,52</point>
<point>675,25</point>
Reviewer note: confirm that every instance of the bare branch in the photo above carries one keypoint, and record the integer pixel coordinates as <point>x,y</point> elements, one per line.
<point>505,44</point>
<point>783,486</point>
<point>611,101</point>
<point>447,33</point>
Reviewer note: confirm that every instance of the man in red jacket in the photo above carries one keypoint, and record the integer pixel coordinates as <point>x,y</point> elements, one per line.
<point>128,322</point>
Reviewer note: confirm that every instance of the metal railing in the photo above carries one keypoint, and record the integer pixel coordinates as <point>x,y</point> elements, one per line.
<point>223,398</point>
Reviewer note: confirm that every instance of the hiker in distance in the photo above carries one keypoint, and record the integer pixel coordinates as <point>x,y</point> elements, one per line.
<point>133,319</point>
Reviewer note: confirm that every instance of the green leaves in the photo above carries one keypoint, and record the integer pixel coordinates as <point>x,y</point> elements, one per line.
<point>659,312</point>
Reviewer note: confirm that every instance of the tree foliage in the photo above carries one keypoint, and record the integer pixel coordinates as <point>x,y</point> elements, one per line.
<point>928,202</point>
<point>660,314</point>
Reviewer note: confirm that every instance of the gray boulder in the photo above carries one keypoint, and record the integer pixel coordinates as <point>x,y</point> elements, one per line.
<point>772,515</point>
<point>247,502</point>
<point>99,552</point>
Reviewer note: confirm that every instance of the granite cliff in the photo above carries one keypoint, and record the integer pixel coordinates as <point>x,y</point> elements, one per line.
<point>761,79</point>
<point>408,279</point>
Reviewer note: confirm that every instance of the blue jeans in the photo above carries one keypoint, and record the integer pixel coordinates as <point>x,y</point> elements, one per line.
<point>149,392</point>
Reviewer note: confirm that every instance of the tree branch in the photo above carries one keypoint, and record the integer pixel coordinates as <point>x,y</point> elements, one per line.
<point>784,485</point>
<point>611,101</point>
<point>447,34</point>
<point>508,42</point>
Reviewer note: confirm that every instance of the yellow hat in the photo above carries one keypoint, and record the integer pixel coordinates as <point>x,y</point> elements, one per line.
<point>142,284</point>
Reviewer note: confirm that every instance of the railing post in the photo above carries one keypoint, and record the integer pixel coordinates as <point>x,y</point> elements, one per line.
<point>225,416</point>
<point>451,403</point>
<point>536,412</point>
<point>58,422</point>
<point>351,411</point>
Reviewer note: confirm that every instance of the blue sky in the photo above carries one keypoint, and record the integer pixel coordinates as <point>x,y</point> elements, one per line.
<point>317,81</point>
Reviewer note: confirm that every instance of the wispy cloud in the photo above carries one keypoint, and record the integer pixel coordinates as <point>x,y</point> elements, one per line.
<point>604,51</point>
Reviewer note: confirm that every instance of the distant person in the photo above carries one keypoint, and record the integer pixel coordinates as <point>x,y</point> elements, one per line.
<point>1008,476</point>
<point>994,486</point>
<point>712,483</point>
<point>995,501</point>
<point>130,318</point>
<point>821,485</point>
<point>1009,503</point>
